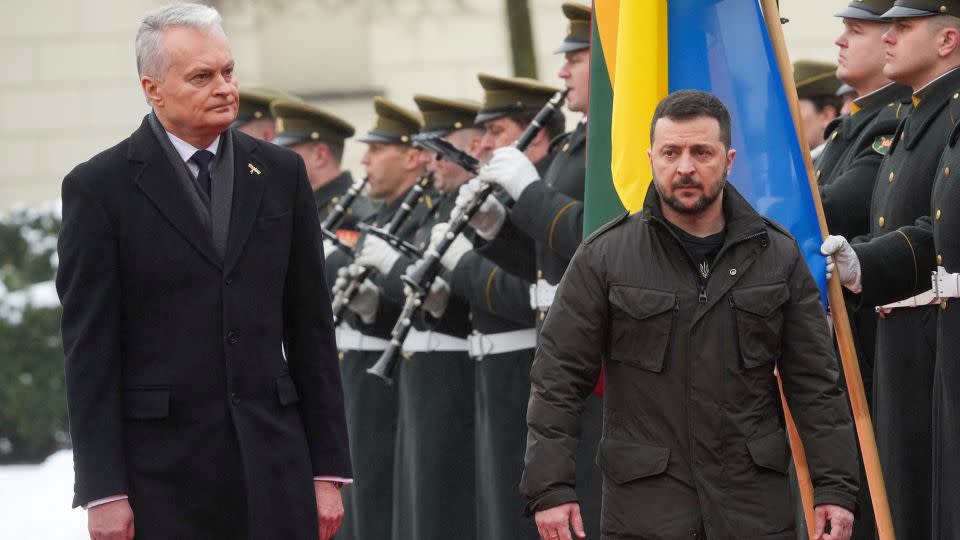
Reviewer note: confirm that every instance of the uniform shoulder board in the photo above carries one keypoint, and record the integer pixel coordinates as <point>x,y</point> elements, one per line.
<point>559,140</point>
<point>607,226</point>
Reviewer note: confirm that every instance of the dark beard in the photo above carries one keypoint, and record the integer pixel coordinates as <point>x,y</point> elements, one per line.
<point>704,202</point>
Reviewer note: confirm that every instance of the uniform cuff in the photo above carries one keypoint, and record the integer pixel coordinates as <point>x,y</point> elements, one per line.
<point>550,499</point>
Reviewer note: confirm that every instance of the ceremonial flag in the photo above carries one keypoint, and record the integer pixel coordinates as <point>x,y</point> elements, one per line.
<point>643,49</point>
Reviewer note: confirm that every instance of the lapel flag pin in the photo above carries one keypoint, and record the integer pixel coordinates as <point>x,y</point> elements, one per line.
<point>253,170</point>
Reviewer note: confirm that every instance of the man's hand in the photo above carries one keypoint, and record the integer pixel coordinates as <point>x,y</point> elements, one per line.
<point>842,259</point>
<point>840,519</point>
<point>458,248</point>
<point>376,253</point>
<point>510,169</point>
<point>329,508</point>
<point>555,523</point>
<point>489,218</point>
<point>111,521</point>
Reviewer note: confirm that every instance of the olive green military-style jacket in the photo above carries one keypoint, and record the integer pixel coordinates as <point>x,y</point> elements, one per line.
<point>693,437</point>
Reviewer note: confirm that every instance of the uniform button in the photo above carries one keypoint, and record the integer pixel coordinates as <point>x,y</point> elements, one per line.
<point>234,398</point>
<point>566,146</point>
<point>943,305</point>
<point>946,171</point>
<point>901,135</point>
<point>543,315</point>
<point>818,174</point>
<point>834,136</point>
<point>939,260</point>
<point>340,355</point>
<point>539,274</point>
<point>890,178</point>
<point>881,221</point>
<point>939,213</point>
<point>232,338</point>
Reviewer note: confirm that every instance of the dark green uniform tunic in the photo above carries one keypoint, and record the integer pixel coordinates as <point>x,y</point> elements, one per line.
<point>846,174</point>
<point>434,495</point>
<point>499,302</point>
<point>371,408</point>
<point>906,338</point>
<point>919,249</point>
<point>547,221</point>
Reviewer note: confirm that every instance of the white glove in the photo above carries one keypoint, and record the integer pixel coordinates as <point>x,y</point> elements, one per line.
<point>367,299</point>
<point>843,259</point>
<point>437,299</point>
<point>489,218</point>
<point>460,246</point>
<point>510,169</point>
<point>377,253</point>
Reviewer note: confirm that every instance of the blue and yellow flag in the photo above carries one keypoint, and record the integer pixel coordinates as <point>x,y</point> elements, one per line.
<point>643,49</point>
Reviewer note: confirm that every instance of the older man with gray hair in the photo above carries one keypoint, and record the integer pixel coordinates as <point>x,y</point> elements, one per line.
<point>201,366</point>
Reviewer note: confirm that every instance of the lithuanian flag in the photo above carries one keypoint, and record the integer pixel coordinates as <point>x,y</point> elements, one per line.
<point>643,49</point>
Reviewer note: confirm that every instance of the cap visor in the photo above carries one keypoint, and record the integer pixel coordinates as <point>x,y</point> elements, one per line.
<point>289,140</point>
<point>486,116</point>
<point>433,134</point>
<point>851,12</point>
<point>901,12</point>
<point>570,46</point>
<point>372,137</point>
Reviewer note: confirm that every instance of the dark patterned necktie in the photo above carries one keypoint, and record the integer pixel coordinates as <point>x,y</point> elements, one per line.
<point>203,158</point>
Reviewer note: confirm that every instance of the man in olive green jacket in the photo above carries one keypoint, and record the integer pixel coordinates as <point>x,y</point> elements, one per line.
<point>690,305</point>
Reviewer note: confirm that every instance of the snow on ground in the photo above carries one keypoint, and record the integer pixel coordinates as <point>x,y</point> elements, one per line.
<point>35,501</point>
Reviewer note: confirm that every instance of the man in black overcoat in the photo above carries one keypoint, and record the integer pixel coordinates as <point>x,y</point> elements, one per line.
<point>202,382</point>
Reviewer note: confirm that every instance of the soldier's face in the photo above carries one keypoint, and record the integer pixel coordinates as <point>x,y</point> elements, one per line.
<point>447,176</point>
<point>575,73</point>
<point>689,162</point>
<point>498,133</point>
<point>389,167</point>
<point>860,59</point>
<point>197,95</point>
<point>914,46</point>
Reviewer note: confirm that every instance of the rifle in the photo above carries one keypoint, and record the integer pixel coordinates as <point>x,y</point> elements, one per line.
<point>422,274</point>
<point>342,297</point>
<point>329,225</point>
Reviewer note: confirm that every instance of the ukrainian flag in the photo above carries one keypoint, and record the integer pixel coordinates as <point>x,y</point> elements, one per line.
<point>643,49</point>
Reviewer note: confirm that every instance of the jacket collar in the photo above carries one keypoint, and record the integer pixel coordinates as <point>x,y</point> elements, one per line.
<point>340,184</point>
<point>741,219</point>
<point>929,102</point>
<point>154,178</point>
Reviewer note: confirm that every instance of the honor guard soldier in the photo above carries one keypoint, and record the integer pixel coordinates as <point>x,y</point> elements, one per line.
<point>817,86</point>
<point>922,52</point>
<point>253,115</point>
<point>434,494</point>
<point>847,170</point>
<point>393,168</point>
<point>319,137</point>
<point>501,344</point>
<point>548,213</point>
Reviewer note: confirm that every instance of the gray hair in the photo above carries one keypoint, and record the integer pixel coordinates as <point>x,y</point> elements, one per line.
<point>151,59</point>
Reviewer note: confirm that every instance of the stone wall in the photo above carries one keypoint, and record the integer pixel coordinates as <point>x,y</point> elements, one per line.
<point>69,88</point>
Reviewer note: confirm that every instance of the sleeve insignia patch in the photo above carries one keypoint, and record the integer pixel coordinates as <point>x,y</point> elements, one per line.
<point>881,144</point>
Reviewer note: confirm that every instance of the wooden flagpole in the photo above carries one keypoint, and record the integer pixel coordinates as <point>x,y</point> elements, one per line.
<point>848,353</point>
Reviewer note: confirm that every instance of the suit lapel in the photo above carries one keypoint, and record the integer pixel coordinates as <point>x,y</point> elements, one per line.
<point>250,177</point>
<point>157,179</point>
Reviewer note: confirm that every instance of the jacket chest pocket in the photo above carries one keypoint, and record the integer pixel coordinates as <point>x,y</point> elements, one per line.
<point>641,325</point>
<point>759,322</point>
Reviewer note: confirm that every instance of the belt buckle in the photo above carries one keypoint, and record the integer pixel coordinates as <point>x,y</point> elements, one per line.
<point>478,346</point>
<point>534,297</point>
